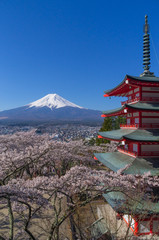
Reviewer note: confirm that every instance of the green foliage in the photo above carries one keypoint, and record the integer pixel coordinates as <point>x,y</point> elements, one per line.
<point>92,141</point>
<point>118,120</point>
<point>107,126</point>
<point>110,123</point>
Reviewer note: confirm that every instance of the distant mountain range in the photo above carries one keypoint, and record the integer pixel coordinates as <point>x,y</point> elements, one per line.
<point>52,107</point>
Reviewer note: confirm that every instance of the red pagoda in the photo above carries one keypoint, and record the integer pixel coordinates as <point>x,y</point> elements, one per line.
<point>139,141</point>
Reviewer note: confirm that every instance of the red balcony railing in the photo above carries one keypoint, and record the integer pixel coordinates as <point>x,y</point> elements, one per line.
<point>143,153</point>
<point>151,99</point>
<point>150,125</point>
<point>120,149</point>
<point>130,100</point>
<point>150,153</point>
<point>129,125</point>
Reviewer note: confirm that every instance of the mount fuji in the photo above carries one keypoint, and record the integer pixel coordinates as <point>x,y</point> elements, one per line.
<point>52,101</point>
<point>52,107</point>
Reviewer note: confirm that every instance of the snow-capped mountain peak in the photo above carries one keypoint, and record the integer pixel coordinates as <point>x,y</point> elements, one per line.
<point>53,101</point>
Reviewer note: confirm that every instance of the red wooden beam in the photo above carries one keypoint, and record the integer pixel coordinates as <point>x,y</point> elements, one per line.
<point>110,139</point>
<point>114,114</point>
<point>106,95</point>
<point>123,88</point>
<point>99,136</point>
<point>136,228</point>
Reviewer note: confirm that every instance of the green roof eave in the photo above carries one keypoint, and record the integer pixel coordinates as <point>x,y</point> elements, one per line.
<point>113,111</point>
<point>123,204</point>
<point>144,78</point>
<point>150,135</point>
<point>98,228</point>
<point>117,160</point>
<point>144,106</point>
<point>115,134</point>
<point>112,89</point>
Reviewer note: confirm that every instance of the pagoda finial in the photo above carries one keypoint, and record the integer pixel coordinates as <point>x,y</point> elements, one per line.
<point>146,49</point>
<point>146,26</point>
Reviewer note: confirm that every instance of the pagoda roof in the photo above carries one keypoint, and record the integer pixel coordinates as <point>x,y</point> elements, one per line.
<point>114,111</point>
<point>135,106</point>
<point>123,204</point>
<point>117,160</point>
<point>123,87</point>
<point>144,106</point>
<point>143,78</point>
<point>116,134</point>
<point>150,135</point>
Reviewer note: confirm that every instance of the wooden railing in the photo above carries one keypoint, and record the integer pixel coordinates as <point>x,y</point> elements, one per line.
<point>150,153</point>
<point>130,100</point>
<point>143,153</point>
<point>150,125</point>
<point>144,125</point>
<point>129,125</point>
<point>151,99</point>
<point>120,149</point>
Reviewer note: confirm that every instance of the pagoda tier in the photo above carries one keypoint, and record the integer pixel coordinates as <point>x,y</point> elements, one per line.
<point>139,114</point>
<point>135,135</point>
<point>134,87</point>
<point>135,142</point>
<point>117,160</point>
<point>129,108</point>
<point>118,202</point>
<point>142,217</point>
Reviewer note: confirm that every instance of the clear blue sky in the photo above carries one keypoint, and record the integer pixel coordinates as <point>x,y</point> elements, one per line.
<point>76,49</point>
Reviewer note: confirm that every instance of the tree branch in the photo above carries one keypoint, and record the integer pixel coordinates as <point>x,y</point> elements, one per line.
<point>11,219</point>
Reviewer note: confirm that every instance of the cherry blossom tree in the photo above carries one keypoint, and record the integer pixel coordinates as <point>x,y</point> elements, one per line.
<point>42,183</point>
<point>25,156</point>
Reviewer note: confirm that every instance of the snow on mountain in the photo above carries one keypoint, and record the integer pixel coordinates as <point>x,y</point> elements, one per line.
<point>52,107</point>
<point>53,101</point>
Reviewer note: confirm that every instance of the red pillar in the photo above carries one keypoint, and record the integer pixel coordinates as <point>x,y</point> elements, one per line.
<point>139,149</point>
<point>151,225</point>
<point>140,93</point>
<point>140,119</point>
<point>136,227</point>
